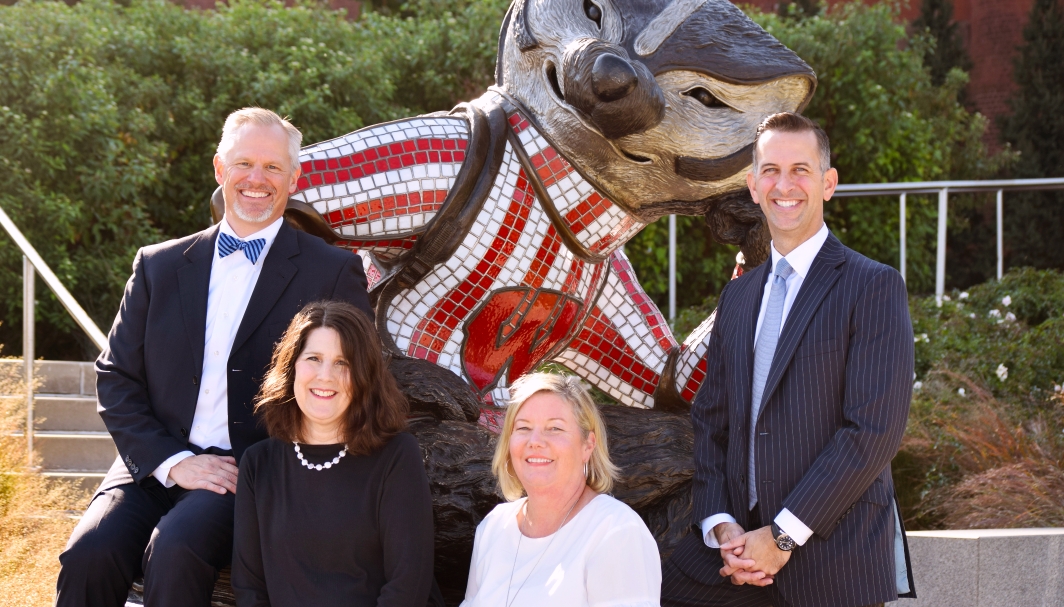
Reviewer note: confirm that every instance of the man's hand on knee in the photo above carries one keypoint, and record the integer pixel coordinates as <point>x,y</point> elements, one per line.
<point>211,472</point>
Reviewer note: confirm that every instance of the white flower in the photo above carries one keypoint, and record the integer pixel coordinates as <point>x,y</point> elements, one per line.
<point>963,295</point>
<point>921,337</point>
<point>945,298</point>
<point>918,385</point>
<point>960,391</point>
<point>1002,372</point>
<point>1058,388</point>
<point>1010,317</point>
<point>972,315</point>
<point>1006,300</point>
<point>995,313</point>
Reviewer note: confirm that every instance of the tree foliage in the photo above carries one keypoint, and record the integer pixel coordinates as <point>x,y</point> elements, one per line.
<point>887,121</point>
<point>946,49</point>
<point>110,114</point>
<point>1034,221</point>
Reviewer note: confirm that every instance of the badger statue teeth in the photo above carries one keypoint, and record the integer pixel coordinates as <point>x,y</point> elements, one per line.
<point>492,235</point>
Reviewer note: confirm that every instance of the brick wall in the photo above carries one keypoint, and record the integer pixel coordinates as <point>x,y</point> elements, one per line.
<point>994,33</point>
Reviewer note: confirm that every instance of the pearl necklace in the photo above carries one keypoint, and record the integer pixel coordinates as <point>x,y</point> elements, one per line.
<point>310,466</point>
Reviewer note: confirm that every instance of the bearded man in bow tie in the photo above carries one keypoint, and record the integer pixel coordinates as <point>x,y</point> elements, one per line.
<point>190,344</point>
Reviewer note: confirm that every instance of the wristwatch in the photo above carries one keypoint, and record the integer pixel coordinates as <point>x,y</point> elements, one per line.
<point>783,541</point>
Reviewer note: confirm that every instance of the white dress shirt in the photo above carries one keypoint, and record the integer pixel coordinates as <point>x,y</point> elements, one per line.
<point>800,259</point>
<point>233,279</point>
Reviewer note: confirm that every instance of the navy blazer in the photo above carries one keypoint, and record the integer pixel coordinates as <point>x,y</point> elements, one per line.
<point>147,380</point>
<point>834,411</point>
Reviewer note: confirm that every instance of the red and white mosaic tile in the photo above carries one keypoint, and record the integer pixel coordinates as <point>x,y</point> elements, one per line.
<point>513,295</point>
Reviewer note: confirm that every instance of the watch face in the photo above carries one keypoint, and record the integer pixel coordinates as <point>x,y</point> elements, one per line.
<point>785,543</point>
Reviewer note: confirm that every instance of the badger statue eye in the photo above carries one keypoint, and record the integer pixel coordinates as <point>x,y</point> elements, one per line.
<point>593,12</point>
<point>704,97</point>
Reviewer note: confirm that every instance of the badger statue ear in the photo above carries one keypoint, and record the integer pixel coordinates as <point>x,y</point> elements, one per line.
<point>519,20</point>
<point>517,16</point>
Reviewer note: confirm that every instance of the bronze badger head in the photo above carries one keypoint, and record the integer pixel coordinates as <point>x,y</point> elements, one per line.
<point>656,102</point>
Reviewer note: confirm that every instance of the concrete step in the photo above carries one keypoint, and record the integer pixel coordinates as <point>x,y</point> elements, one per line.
<point>65,450</point>
<point>56,376</point>
<point>66,413</point>
<point>83,480</point>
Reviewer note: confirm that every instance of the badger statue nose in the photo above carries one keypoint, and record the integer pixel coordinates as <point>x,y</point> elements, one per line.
<point>612,77</point>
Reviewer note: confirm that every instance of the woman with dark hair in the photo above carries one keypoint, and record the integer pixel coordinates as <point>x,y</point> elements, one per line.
<point>334,508</point>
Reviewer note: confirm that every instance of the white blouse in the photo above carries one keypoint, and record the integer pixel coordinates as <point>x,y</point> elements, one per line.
<point>604,556</point>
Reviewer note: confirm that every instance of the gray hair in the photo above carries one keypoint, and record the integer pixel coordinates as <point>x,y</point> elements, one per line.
<point>259,117</point>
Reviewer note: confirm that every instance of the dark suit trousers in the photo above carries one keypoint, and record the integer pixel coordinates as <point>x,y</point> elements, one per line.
<point>678,590</point>
<point>176,538</point>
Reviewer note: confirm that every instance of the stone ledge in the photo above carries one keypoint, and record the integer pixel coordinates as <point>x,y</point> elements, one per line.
<point>987,568</point>
<point>56,376</point>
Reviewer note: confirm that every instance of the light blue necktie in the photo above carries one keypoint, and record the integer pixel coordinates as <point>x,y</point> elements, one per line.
<point>251,248</point>
<point>764,350</point>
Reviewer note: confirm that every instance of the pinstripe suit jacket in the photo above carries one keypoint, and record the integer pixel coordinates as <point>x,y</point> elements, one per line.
<point>835,405</point>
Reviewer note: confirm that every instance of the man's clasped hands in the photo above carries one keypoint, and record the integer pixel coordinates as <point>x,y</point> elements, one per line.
<point>749,557</point>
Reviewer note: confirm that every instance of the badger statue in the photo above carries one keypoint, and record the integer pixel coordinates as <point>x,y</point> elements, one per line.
<point>492,234</point>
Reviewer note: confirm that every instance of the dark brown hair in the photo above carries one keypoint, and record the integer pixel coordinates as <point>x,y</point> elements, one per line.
<point>378,409</point>
<point>790,122</point>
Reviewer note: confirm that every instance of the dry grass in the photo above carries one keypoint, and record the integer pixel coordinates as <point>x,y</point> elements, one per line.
<point>1026,494</point>
<point>36,515</point>
<point>996,472</point>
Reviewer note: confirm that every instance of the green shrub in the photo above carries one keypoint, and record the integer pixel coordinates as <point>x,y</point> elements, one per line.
<point>887,121</point>
<point>988,405</point>
<point>75,162</point>
<point>1016,325</point>
<point>110,114</point>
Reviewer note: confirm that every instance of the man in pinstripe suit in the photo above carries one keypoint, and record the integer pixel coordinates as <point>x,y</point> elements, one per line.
<point>803,407</point>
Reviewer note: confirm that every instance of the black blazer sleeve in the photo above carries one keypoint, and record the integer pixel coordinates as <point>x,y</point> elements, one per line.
<point>122,384</point>
<point>351,285</point>
<point>878,389</point>
<point>709,416</point>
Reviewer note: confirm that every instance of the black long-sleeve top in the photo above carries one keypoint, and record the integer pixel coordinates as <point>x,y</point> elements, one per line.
<point>358,533</point>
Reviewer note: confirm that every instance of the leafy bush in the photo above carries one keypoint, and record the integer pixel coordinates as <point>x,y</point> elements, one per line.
<point>887,122</point>
<point>1036,129</point>
<point>110,114</point>
<point>985,441</point>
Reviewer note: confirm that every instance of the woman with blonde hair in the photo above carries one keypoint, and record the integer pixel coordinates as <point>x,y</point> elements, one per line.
<point>560,539</point>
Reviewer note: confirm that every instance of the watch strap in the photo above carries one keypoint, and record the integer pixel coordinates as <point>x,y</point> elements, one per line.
<point>783,541</point>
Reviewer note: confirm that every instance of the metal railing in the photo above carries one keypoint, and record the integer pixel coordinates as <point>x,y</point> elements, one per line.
<point>902,190</point>
<point>31,264</point>
<point>943,190</point>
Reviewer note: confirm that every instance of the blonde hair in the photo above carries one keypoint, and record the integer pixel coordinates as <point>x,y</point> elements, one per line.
<point>259,117</point>
<point>601,472</point>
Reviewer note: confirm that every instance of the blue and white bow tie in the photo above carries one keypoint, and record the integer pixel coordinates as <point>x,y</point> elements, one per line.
<point>251,248</point>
